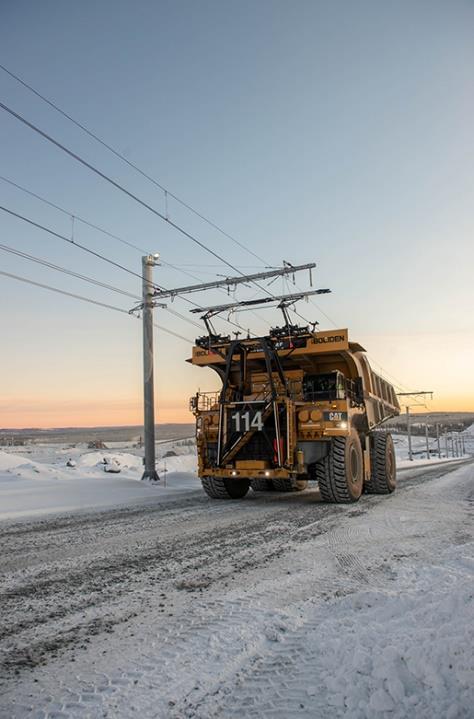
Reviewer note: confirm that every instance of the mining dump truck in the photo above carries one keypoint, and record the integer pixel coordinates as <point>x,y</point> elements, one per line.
<point>294,406</point>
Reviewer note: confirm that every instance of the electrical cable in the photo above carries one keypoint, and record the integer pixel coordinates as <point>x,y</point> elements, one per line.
<point>129,163</point>
<point>86,299</point>
<point>90,280</point>
<point>65,271</point>
<point>73,214</point>
<point>116,237</point>
<point>120,187</point>
<point>115,184</point>
<point>151,179</point>
<point>71,241</point>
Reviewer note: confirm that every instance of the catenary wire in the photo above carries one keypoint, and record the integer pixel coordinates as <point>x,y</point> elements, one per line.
<point>122,157</point>
<point>106,259</point>
<point>73,214</point>
<point>86,299</point>
<point>115,184</point>
<point>116,237</point>
<point>120,187</point>
<point>71,241</point>
<point>157,184</point>
<point>64,270</point>
<point>90,280</point>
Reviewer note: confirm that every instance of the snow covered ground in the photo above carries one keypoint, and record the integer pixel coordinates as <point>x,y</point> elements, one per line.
<point>36,480</point>
<point>277,606</point>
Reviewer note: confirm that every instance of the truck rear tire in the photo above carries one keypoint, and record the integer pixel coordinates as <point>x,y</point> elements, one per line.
<point>383,476</point>
<point>340,474</point>
<point>289,485</point>
<point>225,488</point>
<point>260,484</point>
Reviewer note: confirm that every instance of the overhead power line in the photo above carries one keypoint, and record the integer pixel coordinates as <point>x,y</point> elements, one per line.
<point>65,271</point>
<point>75,216</point>
<point>91,301</point>
<point>122,157</point>
<point>72,214</point>
<point>120,187</point>
<point>70,241</point>
<point>112,262</point>
<point>144,174</point>
<point>90,280</point>
<point>115,184</point>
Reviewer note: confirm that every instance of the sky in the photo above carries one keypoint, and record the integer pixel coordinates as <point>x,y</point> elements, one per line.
<point>334,132</point>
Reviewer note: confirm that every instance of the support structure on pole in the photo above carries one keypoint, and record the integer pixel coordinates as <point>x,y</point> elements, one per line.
<point>421,393</point>
<point>150,473</point>
<point>410,452</point>
<point>437,441</point>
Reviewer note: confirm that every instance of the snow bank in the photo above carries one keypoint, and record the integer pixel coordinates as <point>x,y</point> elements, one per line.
<point>42,482</point>
<point>9,461</point>
<point>14,466</point>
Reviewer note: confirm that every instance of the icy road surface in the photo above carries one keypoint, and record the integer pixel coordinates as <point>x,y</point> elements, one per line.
<point>275,606</point>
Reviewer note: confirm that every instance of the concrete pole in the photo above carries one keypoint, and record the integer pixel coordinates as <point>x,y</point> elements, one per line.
<point>410,455</point>
<point>437,441</point>
<point>428,455</point>
<point>148,262</point>
<point>446,444</point>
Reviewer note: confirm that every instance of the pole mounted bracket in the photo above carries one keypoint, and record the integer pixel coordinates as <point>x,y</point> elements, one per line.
<point>138,308</point>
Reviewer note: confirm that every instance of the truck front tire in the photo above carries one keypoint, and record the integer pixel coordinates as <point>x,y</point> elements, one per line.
<point>340,474</point>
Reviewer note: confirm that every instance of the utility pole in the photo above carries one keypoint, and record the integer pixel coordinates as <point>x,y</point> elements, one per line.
<point>148,262</point>
<point>427,441</point>
<point>446,443</point>
<point>437,441</point>
<point>410,454</point>
<point>421,393</point>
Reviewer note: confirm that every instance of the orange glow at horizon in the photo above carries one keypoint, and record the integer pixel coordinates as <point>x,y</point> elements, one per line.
<point>20,413</point>
<point>441,362</point>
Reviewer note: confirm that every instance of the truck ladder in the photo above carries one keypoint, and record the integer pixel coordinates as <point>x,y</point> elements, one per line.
<point>244,438</point>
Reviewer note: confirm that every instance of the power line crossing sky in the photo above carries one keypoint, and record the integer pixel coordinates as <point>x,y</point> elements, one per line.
<point>335,132</point>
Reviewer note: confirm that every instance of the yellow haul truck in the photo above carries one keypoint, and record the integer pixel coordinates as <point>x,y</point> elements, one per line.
<point>294,405</point>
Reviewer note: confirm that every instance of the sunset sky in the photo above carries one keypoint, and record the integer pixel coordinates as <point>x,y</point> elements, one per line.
<point>334,132</point>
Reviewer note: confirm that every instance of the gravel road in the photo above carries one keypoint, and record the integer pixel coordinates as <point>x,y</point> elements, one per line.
<point>81,592</point>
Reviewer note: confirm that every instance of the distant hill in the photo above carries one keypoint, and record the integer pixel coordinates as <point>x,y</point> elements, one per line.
<point>60,435</point>
<point>447,419</point>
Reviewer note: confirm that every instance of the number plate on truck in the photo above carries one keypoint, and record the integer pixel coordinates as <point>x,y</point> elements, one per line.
<point>246,420</point>
<point>335,416</point>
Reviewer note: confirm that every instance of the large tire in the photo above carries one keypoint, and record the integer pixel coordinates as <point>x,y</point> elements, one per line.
<point>260,484</point>
<point>289,485</point>
<point>225,488</point>
<point>340,474</point>
<point>383,475</point>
